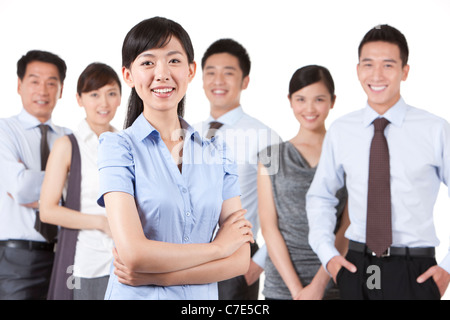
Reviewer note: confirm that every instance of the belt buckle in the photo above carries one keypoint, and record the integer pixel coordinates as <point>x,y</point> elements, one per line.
<point>385,254</point>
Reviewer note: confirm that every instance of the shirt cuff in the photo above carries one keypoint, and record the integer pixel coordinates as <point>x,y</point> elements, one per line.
<point>260,256</point>
<point>445,263</point>
<point>325,253</point>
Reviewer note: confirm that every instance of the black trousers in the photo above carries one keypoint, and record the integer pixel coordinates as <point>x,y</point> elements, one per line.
<point>389,278</point>
<point>237,288</point>
<point>24,274</point>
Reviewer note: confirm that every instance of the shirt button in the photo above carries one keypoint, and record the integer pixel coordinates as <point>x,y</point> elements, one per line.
<point>186,238</point>
<point>184,190</point>
<point>188,213</point>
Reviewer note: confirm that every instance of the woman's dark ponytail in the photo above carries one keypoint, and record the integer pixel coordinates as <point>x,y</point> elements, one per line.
<point>135,108</point>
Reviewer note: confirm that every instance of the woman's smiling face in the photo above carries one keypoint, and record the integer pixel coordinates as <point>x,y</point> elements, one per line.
<point>311,105</point>
<point>161,76</point>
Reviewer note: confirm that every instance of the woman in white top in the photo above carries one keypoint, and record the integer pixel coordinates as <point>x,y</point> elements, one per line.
<point>99,92</point>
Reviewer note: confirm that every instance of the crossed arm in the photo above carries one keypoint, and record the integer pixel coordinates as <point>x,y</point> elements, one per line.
<point>140,261</point>
<point>20,183</point>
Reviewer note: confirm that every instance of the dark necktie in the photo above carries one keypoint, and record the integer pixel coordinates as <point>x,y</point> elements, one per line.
<point>379,225</point>
<point>213,127</point>
<point>48,231</point>
<point>44,146</point>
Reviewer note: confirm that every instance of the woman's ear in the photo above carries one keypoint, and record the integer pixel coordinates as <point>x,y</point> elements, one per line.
<point>127,77</point>
<point>289,98</point>
<point>192,70</point>
<point>333,101</point>
<point>80,103</point>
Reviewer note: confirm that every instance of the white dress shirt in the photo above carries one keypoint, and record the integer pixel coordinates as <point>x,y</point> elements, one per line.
<point>93,255</point>
<point>419,150</point>
<point>20,173</point>
<point>245,137</point>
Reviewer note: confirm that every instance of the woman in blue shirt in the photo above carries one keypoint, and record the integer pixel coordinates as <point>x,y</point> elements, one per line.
<point>165,188</point>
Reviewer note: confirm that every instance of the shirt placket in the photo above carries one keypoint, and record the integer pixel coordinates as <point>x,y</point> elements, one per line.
<point>186,212</point>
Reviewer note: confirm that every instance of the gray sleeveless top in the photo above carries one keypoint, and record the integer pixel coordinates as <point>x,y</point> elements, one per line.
<point>291,177</point>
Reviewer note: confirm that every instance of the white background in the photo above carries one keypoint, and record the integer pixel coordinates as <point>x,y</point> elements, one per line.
<point>280,36</point>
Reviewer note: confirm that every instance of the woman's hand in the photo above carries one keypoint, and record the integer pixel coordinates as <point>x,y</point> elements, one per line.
<point>233,233</point>
<point>310,292</point>
<point>103,225</point>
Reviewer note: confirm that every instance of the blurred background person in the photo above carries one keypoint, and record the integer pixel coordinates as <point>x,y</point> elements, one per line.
<point>85,239</point>
<point>26,245</point>
<point>293,271</point>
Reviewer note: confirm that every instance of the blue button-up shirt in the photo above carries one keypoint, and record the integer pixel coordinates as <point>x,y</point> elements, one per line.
<point>20,173</point>
<point>174,206</point>
<point>419,151</point>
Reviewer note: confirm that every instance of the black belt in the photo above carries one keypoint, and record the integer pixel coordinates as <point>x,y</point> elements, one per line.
<point>30,245</point>
<point>394,251</point>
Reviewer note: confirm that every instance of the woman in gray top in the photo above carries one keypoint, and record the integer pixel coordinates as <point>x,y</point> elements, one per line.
<point>286,171</point>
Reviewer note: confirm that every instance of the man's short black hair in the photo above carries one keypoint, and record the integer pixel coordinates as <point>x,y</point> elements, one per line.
<point>42,56</point>
<point>388,34</point>
<point>232,47</point>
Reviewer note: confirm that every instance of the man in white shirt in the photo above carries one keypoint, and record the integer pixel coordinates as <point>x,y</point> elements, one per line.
<point>26,257</point>
<point>419,160</point>
<point>226,68</point>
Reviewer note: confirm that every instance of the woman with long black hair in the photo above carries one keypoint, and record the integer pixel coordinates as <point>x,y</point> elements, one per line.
<point>164,187</point>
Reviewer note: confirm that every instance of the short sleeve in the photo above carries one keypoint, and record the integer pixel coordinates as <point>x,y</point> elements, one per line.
<point>270,158</point>
<point>231,187</point>
<point>115,165</point>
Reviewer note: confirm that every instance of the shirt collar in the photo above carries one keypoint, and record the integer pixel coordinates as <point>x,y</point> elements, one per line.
<point>142,129</point>
<point>86,132</point>
<point>396,114</point>
<point>28,121</point>
<point>230,118</point>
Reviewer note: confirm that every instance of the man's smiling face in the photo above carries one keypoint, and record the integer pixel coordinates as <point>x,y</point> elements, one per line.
<point>40,89</point>
<point>380,72</point>
<point>223,82</point>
